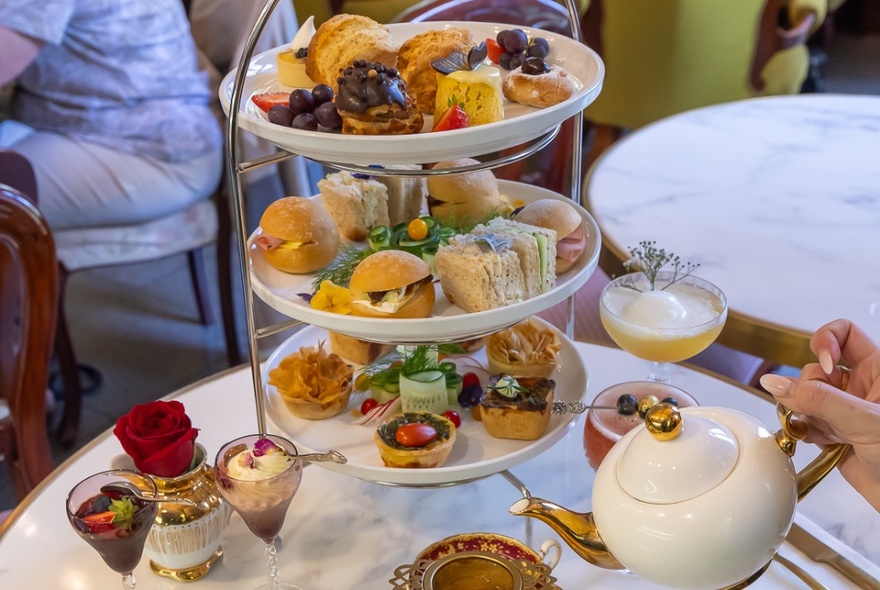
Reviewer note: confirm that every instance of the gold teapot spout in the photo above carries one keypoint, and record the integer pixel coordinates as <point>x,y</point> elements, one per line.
<point>577,529</point>
<point>810,476</point>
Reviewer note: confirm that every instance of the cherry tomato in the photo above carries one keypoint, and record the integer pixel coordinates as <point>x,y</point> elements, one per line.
<point>469,379</point>
<point>415,434</point>
<point>453,417</point>
<point>417,229</point>
<point>368,405</point>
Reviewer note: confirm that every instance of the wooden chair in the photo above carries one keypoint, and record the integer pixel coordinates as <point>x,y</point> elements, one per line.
<point>28,307</point>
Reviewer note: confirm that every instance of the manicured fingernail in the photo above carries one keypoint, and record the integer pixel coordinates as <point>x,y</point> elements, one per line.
<point>825,361</point>
<point>775,384</point>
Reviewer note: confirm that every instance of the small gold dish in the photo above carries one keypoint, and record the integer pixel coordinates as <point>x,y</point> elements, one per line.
<point>474,570</point>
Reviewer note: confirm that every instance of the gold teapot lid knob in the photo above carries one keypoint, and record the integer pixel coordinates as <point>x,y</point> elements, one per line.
<point>663,421</point>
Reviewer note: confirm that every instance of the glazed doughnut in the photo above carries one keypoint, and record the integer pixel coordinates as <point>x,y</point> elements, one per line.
<point>372,100</point>
<point>548,85</point>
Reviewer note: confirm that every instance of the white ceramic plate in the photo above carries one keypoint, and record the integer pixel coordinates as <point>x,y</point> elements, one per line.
<point>281,291</point>
<point>521,124</point>
<point>475,455</point>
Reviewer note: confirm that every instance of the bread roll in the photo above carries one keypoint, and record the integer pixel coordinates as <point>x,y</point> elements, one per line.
<point>415,57</point>
<point>343,39</point>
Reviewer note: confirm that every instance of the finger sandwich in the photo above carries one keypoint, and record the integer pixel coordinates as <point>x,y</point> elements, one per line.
<point>356,203</point>
<point>478,273</point>
<point>536,248</point>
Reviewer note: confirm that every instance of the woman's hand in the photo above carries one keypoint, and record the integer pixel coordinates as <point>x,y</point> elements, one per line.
<point>835,415</point>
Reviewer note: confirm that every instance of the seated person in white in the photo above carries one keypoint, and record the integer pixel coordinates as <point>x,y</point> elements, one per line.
<point>109,108</point>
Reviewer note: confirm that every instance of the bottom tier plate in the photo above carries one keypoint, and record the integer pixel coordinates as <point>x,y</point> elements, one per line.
<point>476,453</point>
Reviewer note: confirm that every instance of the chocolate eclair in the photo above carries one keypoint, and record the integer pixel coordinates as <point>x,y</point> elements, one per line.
<point>372,100</point>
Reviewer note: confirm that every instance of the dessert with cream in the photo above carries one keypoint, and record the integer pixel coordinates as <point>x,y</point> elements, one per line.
<point>372,100</point>
<point>264,460</point>
<point>292,62</point>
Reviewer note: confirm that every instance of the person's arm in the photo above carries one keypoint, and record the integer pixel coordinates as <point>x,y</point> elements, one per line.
<point>18,52</point>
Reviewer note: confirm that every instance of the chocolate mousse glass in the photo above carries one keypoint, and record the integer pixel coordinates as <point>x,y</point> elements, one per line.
<point>259,475</point>
<point>115,523</point>
<point>620,408</point>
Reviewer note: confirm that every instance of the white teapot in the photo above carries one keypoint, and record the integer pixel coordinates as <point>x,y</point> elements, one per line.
<point>699,498</point>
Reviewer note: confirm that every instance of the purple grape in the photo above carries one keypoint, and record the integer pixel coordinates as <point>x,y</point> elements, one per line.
<point>515,41</point>
<point>537,50</point>
<point>540,41</point>
<point>305,121</point>
<point>535,66</point>
<point>322,93</point>
<point>517,60</point>
<point>281,115</point>
<point>501,36</point>
<point>301,101</point>
<point>504,60</point>
<point>328,116</point>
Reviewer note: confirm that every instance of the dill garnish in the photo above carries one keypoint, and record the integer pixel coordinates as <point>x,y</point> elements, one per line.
<point>340,270</point>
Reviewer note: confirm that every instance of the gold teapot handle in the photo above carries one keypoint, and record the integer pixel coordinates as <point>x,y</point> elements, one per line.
<point>794,430</point>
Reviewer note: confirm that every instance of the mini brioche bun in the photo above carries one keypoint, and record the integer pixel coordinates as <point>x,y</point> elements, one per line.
<point>556,215</point>
<point>304,220</point>
<point>465,199</point>
<point>393,269</point>
<point>462,188</point>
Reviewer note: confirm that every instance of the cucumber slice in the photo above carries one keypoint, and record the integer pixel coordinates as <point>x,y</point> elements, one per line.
<point>426,376</point>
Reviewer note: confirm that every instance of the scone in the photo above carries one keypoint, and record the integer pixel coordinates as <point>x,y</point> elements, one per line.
<point>517,408</point>
<point>343,39</point>
<point>356,204</point>
<point>537,84</point>
<point>415,57</point>
<point>373,100</point>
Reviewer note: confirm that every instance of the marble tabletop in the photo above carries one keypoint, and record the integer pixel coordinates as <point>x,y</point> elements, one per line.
<point>777,198</point>
<point>342,533</point>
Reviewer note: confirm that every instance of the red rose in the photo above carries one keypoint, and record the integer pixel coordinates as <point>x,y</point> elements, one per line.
<point>159,437</point>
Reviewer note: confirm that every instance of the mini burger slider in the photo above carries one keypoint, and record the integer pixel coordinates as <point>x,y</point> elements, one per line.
<point>459,200</point>
<point>392,284</point>
<point>298,235</point>
<point>566,221</point>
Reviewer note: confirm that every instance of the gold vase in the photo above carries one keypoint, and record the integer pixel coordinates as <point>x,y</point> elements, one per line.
<point>184,541</point>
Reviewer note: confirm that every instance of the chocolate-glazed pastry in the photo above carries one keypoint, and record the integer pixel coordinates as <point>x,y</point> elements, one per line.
<point>372,100</point>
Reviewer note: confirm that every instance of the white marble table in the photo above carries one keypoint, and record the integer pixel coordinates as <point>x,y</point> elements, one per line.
<point>777,198</point>
<point>342,533</point>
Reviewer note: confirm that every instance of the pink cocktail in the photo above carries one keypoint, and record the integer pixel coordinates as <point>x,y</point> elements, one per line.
<point>604,427</point>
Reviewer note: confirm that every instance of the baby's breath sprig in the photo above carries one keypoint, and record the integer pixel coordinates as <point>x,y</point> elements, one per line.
<point>650,259</point>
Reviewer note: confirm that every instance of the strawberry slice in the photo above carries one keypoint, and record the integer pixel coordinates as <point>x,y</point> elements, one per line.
<point>453,118</point>
<point>494,50</point>
<point>267,100</point>
<point>100,522</point>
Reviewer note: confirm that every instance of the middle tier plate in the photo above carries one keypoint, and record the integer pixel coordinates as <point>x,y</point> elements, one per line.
<point>449,323</point>
<point>476,454</point>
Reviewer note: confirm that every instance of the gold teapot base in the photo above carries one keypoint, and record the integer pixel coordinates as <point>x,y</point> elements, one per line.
<point>190,574</point>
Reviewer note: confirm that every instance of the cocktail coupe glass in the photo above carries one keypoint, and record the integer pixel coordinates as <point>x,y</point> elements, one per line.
<point>261,503</point>
<point>115,524</point>
<point>673,321</point>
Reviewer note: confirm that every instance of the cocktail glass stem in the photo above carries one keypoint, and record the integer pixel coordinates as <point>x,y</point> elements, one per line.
<point>659,372</point>
<point>272,559</point>
<point>128,582</point>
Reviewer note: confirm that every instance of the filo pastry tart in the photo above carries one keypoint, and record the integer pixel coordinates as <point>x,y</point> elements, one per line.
<point>313,383</point>
<point>527,349</point>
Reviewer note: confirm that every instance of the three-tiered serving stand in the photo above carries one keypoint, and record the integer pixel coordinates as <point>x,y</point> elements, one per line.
<point>530,133</point>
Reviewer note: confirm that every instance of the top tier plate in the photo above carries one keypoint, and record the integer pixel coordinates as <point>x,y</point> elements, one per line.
<point>521,123</point>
